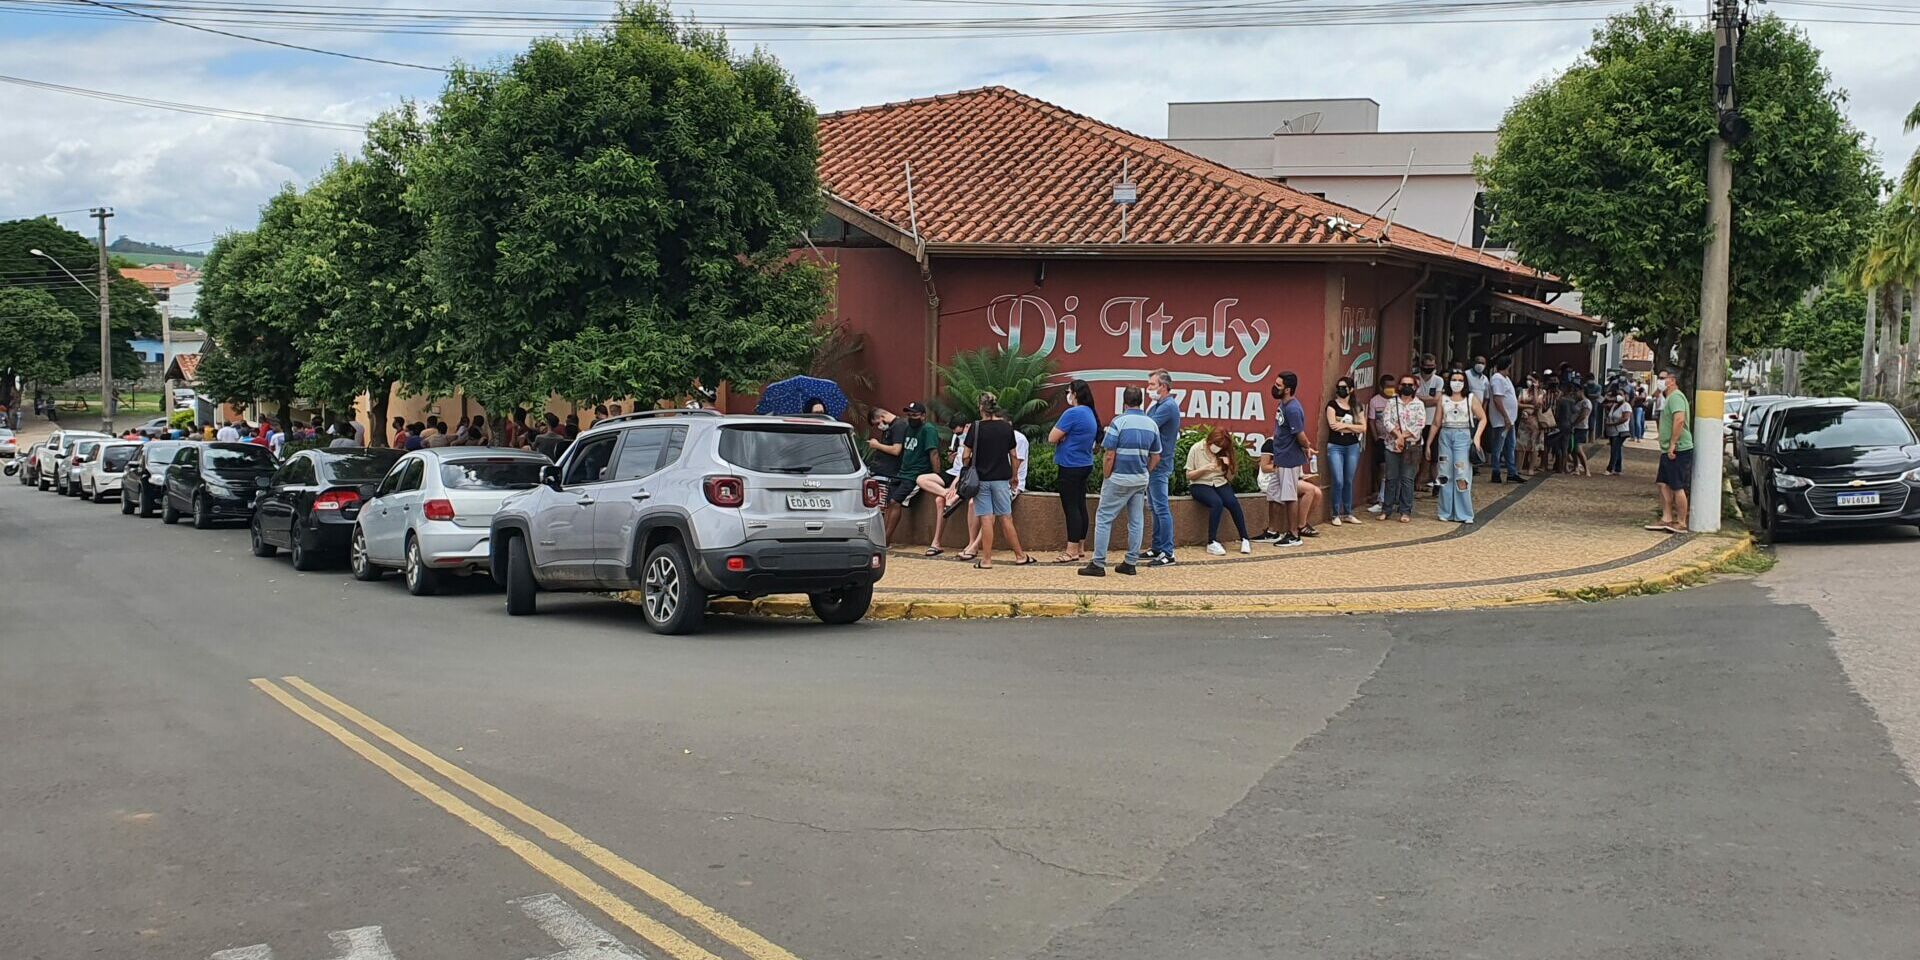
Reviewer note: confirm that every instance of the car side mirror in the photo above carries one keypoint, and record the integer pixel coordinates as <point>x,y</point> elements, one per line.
<point>550,476</point>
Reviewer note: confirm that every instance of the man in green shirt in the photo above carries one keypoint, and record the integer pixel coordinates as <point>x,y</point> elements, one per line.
<point>1676,456</point>
<point>919,452</point>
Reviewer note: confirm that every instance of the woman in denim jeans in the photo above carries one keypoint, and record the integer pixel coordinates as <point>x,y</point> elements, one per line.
<point>1405,422</point>
<point>1456,433</point>
<point>1346,428</point>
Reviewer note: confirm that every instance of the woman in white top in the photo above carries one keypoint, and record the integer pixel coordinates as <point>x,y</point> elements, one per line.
<point>1459,421</point>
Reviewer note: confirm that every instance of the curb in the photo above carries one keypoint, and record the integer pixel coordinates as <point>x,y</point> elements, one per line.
<point>787,607</point>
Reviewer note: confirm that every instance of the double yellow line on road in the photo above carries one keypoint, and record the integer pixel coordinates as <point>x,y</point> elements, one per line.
<point>728,930</point>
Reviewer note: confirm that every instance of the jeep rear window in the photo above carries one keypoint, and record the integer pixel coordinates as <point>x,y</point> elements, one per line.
<point>499,473</point>
<point>789,448</point>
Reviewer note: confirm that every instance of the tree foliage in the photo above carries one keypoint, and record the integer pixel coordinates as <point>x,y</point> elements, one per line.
<point>1017,380</point>
<point>131,304</point>
<point>361,254</point>
<point>254,303</point>
<point>1600,176</point>
<point>1829,329</point>
<point>1893,255</point>
<point>36,337</point>
<point>610,216</point>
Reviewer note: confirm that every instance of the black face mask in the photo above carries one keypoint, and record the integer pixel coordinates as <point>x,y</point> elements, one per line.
<point>1343,390</point>
<point>1427,369</point>
<point>1276,391</point>
<point>915,422</point>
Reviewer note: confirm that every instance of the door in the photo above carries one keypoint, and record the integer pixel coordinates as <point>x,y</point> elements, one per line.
<point>182,475</point>
<point>643,451</point>
<point>277,509</point>
<point>562,523</point>
<point>399,503</point>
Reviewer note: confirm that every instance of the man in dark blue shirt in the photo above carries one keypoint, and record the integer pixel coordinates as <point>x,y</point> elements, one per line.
<point>1164,409</point>
<point>1292,447</point>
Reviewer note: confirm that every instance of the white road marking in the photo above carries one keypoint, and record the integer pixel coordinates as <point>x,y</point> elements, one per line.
<point>581,938</point>
<point>360,943</point>
<point>258,951</point>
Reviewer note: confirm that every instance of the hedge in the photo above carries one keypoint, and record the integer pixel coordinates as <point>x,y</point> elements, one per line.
<point>1043,475</point>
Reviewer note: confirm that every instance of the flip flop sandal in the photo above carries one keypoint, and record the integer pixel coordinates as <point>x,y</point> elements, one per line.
<point>934,551</point>
<point>977,565</point>
<point>967,556</point>
<point>1063,558</point>
<point>1028,562</point>
<point>1657,528</point>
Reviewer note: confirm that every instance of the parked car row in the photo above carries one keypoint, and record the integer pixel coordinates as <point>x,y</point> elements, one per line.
<point>680,505</point>
<point>1832,462</point>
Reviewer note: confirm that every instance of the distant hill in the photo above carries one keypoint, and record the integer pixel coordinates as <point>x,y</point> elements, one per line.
<point>143,253</point>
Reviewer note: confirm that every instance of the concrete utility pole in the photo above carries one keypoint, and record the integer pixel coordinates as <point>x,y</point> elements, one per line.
<point>105,283</point>
<point>1709,404</point>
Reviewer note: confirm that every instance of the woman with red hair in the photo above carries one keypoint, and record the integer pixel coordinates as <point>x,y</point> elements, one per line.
<point>1212,464</point>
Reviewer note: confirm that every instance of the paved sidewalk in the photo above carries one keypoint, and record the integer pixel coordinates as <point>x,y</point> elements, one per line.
<point>1554,536</point>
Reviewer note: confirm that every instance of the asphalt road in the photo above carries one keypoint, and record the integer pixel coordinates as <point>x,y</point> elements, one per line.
<point>1679,776</point>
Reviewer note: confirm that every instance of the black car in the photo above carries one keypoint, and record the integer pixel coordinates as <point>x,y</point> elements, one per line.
<point>146,480</point>
<point>1745,430</point>
<point>311,503</point>
<point>214,482</point>
<point>1833,463</point>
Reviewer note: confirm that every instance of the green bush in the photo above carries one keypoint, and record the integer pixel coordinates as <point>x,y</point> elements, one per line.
<point>1043,475</point>
<point>181,419</point>
<point>1019,380</point>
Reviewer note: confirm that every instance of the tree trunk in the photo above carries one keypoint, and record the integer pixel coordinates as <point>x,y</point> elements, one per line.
<point>1869,338</point>
<point>1890,353</point>
<point>377,412</point>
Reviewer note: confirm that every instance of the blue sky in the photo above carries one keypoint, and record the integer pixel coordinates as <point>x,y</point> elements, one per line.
<point>179,178</point>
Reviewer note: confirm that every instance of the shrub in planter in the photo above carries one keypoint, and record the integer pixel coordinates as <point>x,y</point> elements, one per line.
<point>1246,476</point>
<point>1043,475</point>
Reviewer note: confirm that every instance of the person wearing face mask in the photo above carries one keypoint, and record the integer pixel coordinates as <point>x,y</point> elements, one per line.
<point>1292,451</point>
<point>1406,425</point>
<point>1346,431</point>
<point>1533,436</point>
<point>1455,435</point>
<point>1503,414</point>
<point>1211,466</point>
<point>1376,424</point>
<point>1431,384</point>
<point>1477,380</point>
<point>1163,408</point>
<point>1072,437</point>
<point>919,447</point>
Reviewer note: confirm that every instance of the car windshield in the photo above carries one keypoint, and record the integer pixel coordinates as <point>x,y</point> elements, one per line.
<point>1828,428</point>
<point>116,458</point>
<point>161,451</point>
<point>84,447</point>
<point>5,433</point>
<point>367,467</point>
<point>494,473</point>
<point>238,458</point>
<point>789,448</point>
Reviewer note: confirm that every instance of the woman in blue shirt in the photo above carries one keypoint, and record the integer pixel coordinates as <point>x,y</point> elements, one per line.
<point>1073,437</point>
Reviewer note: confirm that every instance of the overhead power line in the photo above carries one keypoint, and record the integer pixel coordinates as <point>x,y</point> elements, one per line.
<point>275,43</point>
<point>225,113</point>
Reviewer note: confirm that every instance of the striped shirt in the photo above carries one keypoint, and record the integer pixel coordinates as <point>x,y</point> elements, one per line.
<point>1134,438</point>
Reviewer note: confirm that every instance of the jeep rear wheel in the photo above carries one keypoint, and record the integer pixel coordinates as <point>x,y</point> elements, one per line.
<point>670,599</point>
<point>844,605</point>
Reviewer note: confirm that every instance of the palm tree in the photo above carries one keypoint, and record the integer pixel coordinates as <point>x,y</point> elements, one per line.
<point>1892,258</point>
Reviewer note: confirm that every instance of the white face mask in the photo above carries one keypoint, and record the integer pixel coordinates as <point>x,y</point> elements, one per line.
<point>1215,448</point>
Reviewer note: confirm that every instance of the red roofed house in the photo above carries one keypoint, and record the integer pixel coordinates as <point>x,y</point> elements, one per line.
<point>988,217</point>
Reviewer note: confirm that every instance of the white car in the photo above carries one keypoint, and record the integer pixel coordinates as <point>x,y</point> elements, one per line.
<point>59,447</point>
<point>9,444</point>
<point>98,476</point>
<point>432,512</point>
<point>66,477</point>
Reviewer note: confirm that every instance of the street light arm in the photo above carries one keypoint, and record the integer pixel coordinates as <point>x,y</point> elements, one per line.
<point>63,269</point>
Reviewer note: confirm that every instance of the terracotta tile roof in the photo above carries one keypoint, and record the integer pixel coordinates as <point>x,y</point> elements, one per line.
<point>993,166</point>
<point>1548,313</point>
<point>189,364</point>
<point>160,276</point>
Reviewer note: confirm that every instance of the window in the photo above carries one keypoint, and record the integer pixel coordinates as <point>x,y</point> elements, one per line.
<point>416,471</point>
<point>391,482</point>
<point>1483,224</point>
<point>587,462</point>
<point>117,457</point>
<point>493,473</point>
<point>187,456</point>
<point>1828,428</point>
<point>289,474</point>
<point>790,448</point>
<point>249,457</point>
<point>640,455</point>
<point>364,466</point>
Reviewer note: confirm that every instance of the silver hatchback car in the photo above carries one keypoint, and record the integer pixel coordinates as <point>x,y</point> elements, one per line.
<point>431,514</point>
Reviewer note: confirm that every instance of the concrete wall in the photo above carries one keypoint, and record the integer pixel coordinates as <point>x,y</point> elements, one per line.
<point>1262,118</point>
<point>1438,205</point>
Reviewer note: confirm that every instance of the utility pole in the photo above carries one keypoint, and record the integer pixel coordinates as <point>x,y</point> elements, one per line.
<point>1710,396</point>
<point>104,281</point>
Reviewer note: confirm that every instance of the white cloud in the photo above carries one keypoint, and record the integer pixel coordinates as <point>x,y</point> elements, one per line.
<point>182,178</point>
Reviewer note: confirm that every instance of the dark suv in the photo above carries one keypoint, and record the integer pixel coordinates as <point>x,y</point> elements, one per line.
<point>1836,463</point>
<point>215,481</point>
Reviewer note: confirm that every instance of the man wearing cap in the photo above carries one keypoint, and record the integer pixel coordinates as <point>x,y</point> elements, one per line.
<point>917,448</point>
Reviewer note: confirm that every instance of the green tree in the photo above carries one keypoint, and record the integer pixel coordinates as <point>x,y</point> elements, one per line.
<point>610,215</point>
<point>1017,380</point>
<point>132,312</point>
<point>1829,329</point>
<point>361,252</point>
<point>36,337</point>
<point>255,302</point>
<point>1600,175</point>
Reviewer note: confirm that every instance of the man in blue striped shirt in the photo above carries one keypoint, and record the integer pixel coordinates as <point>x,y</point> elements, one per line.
<point>1133,451</point>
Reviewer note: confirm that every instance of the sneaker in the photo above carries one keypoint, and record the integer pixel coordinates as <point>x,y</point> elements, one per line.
<point>1150,556</point>
<point>1214,549</point>
<point>1336,521</point>
<point>1246,546</point>
<point>1093,570</point>
<point>1162,560</point>
<point>1288,540</point>
<point>1126,569</point>
<point>1309,531</point>
<point>1352,519</point>
<point>1377,508</point>
<point>1267,536</point>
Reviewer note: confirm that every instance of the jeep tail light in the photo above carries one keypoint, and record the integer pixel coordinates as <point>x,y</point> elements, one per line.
<point>438,509</point>
<point>736,564</point>
<point>75,461</point>
<point>725,491</point>
<point>872,493</point>
<point>336,500</point>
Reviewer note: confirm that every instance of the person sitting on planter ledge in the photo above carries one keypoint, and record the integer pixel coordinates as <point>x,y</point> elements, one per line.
<point>1211,468</point>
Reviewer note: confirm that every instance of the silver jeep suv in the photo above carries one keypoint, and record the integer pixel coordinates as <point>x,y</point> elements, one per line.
<point>684,505</point>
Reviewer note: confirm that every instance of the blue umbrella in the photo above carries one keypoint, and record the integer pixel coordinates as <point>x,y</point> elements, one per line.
<point>791,396</point>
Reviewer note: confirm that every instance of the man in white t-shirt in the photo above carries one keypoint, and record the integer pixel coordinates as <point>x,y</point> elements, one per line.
<point>1503,420</point>
<point>228,433</point>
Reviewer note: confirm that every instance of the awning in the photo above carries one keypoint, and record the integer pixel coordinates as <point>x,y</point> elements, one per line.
<point>1547,313</point>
